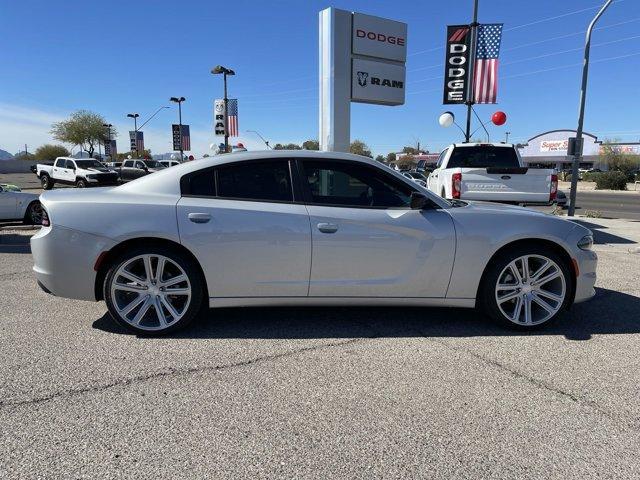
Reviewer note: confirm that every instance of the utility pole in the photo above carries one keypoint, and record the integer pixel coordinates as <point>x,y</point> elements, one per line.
<point>577,153</point>
<point>472,46</point>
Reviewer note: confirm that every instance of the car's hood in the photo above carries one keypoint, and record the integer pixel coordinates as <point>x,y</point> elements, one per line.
<point>500,208</point>
<point>100,170</point>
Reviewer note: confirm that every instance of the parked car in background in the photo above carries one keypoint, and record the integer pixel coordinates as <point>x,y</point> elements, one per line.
<point>132,169</point>
<point>169,163</point>
<point>18,205</point>
<point>416,177</point>
<point>492,172</point>
<point>234,230</point>
<point>81,172</point>
<point>114,164</point>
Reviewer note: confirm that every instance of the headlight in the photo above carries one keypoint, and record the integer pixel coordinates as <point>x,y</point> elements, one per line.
<point>586,242</point>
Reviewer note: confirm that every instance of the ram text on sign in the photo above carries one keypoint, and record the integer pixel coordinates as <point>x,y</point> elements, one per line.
<point>379,37</point>
<point>218,118</point>
<point>456,68</point>
<point>377,82</point>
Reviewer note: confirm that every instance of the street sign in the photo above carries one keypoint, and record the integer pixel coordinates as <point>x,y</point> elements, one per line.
<point>379,37</point>
<point>456,68</point>
<point>574,147</point>
<point>377,82</point>
<point>218,118</point>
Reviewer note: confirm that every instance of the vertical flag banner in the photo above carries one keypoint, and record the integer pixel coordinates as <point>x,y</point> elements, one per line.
<point>107,149</point>
<point>232,114</point>
<point>113,149</point>
<point>485,73</point>
<point>175,133</point>
<point>186,138</point>
<point>456,68</point>
<point>137,141</point>
<point>218,118</point>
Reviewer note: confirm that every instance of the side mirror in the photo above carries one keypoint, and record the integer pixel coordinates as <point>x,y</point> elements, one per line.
<point>419,201</point>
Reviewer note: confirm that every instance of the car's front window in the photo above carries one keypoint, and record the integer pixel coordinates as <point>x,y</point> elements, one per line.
<point>153,164</point>
<point>348,184</point>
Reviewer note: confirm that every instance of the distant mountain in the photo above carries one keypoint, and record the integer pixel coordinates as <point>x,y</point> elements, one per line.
<point>4,155</point>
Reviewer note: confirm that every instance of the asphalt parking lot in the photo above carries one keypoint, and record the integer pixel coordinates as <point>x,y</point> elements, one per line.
<point>322,393</point>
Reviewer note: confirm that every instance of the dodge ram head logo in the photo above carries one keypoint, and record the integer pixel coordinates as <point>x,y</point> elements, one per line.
<point>362,78</point>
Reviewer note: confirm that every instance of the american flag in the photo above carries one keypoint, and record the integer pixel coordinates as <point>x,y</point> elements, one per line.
<point>485,74</point>
<point>232,116</point>
<point>186,138</point>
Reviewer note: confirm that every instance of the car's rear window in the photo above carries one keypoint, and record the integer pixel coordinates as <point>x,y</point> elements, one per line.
<point>483,156</point>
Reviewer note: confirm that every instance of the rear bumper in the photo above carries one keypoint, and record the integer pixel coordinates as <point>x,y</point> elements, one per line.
<point>64,259</point>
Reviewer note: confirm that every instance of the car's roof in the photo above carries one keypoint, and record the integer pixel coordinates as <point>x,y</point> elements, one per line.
<point>483,144</point>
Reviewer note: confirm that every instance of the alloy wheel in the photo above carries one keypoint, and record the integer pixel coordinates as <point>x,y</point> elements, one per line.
<point>151,292</point>
<point>35,214</point>
<point>530,290</point>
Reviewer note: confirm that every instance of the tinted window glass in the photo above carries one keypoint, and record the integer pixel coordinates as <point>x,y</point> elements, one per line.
<point>483,156</point>
<point>70,164</point>
<point>341,183</point>
<point>202,183</point>
<point>128,163</point>
<point>60,162</point>
<point>256,181</point>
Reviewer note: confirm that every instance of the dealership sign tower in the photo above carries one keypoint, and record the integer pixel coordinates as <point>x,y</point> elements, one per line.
<point>362,59</point>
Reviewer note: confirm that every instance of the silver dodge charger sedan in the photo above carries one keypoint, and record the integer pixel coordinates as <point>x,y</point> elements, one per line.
<point>302,228</point>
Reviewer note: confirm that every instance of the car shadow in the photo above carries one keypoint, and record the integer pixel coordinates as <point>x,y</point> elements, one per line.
<point>600,237</point>
<point>14,243</point>
<point>610,312</point>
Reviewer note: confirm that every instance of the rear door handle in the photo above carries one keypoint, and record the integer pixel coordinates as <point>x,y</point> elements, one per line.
<point>199,217</point>
<point>328,227</point>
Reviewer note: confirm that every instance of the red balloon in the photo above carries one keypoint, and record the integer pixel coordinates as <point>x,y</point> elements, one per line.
<point>499,118</point>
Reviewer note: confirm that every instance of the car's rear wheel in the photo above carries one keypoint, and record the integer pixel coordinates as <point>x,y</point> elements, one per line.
<point>153,290</point>
<point>526,287</point>
<point>33,215</point>
<point>46,182</point>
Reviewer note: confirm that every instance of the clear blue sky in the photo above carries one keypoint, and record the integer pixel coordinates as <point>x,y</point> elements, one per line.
<point>122,56</point>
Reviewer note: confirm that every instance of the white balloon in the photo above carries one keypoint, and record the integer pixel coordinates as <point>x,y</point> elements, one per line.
<point>446,119</point>
<point>173,156</point>
<point>213,146</point>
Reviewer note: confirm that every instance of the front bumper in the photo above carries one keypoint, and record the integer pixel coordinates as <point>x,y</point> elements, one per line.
<point>64,260</point>
<point>104,179</point>
<point>587,261</point>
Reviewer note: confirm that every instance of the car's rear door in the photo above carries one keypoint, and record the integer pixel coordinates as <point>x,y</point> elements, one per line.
<point>8,204</point>
<point>366,240</point>
<point>245,226</point>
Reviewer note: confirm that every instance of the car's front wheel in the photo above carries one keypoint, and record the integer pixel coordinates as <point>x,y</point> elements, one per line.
<point>153,290</point>
<point>81,183</point>
<point>526,287</point>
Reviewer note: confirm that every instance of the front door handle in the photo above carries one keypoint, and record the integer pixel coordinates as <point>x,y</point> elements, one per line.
<point>328,227</point>
<point>199,217</point>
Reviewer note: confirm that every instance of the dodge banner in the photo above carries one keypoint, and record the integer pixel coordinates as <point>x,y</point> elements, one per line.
<point>456,68</point>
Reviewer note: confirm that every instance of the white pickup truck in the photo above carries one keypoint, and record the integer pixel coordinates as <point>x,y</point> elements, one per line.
<point>81,172</point>
<point>492,172</point>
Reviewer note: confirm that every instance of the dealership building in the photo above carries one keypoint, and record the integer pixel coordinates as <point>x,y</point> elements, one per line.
<point>549,150</point>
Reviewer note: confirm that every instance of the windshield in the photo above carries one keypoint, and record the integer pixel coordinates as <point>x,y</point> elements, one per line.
<point>483,156</point>
<point>89,164</point>
<point>153,164</point>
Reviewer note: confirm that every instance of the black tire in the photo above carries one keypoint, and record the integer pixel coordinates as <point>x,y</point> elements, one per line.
<point>487,301</point>
<point>46,182</point>
<point>81,183</point>
<point>192,271</point>
<point>33,214</point>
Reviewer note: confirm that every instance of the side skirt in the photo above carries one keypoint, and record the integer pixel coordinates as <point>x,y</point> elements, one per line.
<point>340,301</point>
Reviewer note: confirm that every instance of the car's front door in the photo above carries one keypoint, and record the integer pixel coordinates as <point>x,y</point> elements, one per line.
<point>69,172</point>
<point>241,222</point>
<point>367,241</point>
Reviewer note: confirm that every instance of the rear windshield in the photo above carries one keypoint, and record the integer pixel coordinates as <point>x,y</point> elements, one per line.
<point>483,156</point>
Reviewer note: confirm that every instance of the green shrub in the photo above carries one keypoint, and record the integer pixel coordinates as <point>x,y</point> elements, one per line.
<point>590,176</point>
<point>611,181</point>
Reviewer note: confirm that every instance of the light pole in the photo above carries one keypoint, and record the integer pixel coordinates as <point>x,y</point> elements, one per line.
<point>219,69</point>
<point>577,153</point>
<point>179,102</point>
<point>108,127</point>
<point>266,142</point>
<point>506,137</point>
<point>135,128</point>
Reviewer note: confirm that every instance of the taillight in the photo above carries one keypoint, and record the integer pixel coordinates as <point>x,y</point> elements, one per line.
<point>554,188</point>
<point>45,218</point>
<point>456,185</point>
